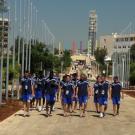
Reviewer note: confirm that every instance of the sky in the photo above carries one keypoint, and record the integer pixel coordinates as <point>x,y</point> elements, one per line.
<point>68,19</point>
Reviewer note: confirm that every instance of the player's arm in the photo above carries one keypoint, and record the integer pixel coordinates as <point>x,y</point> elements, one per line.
<point>110,92</point>
<point>32,88</point>
<point>89,90</point>
<point>74,94</point>
<point>76,91</point>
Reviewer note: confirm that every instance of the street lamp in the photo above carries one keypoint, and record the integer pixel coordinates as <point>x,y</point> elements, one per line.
<point>7,69</point>
<point>3,9</point>
<point>107,60</point>
<point>123,69</point>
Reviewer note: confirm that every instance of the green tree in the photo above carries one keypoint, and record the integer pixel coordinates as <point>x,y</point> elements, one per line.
<point>132,65</point>
<point>66,59</point>
<point>100,54</point>
<point>132,53</point>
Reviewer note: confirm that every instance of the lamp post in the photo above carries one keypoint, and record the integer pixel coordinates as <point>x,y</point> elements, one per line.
<point>123,69</point>
<point>7,69</point>
<point>3,9</point>
<point>14,43</point>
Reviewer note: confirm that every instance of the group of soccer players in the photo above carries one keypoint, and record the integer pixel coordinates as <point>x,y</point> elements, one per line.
<point>74,91</point>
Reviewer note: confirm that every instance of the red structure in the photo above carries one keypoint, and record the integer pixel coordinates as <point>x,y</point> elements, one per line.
<point>74,47</point>
<point>81,46</point>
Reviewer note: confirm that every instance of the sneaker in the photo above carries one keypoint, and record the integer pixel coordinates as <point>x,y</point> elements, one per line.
<point>81,115</point>
<point>84,115</point>
<point>39,108</point>
<point>28,114</point>
<point>53,109</point>
<point>101,115</point>
<point>104,114</point>
<point>24,114</point>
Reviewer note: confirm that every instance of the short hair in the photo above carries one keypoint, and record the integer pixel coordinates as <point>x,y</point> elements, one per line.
<point>26,71</point>
<point>98,77</point>
<point>115,77</point>
<point>84,76</point>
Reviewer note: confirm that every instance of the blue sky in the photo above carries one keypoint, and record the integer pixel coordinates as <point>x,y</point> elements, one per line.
<point>68,19</point>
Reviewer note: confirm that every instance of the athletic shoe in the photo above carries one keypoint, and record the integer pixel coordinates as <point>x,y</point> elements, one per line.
<point>53,109</point>
<point>39,108</point>
<point>104,114</point>
<point>24,114</point>
<point>81,114</point>
<point>28,114</point>
<point>84,115</point>
<point>101,115</point>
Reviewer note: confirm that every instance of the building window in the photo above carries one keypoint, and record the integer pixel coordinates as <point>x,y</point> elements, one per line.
<point>131,39</point>
<point>126,39</point>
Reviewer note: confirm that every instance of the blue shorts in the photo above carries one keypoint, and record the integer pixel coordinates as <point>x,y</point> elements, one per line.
<point>83,99</point>
<point>96,100</point>
<point>26,97</point>
<point>116,100</point>
<point>67,100</point>
<point>38,94</point>
<point>50,98</point>
<point>103,100</point>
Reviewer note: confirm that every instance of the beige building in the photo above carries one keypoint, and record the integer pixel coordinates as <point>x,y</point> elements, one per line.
<point>107,42</point>
<point>124,42</point>
<point>4,28</point>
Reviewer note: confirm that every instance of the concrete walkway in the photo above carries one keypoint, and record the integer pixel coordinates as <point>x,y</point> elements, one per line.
<point>38,124</point>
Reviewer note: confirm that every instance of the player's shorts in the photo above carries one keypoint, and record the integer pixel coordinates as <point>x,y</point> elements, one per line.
<point>75,99</point>
<point>83,99</point>
<point>103,100</point>
<point>38,94</point>
<point>96,99</point>
<point>67,100</point>
<point>115,100</point>
<point>50,98</point>
<point>26,97</point>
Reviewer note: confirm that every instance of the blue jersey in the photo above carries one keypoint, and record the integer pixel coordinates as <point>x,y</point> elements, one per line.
<point>51,85</point>
<point>75,82</point>
<point>105,88</point>
<point>26,86</point>
<point>97,89</point>
<point>68,89</point>
<point>39,84</point>
<point>83,88</point>
<point>116,89</point>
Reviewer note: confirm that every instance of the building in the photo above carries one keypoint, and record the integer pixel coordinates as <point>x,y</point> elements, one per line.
<point>124,42</point>
<point>92,32</point>
<point>107,41</point>
<point>4,25</point>
<point>121,57</point>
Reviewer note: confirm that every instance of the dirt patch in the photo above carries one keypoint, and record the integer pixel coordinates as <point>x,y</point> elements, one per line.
<point>9,108</point>
<point>130,93</point>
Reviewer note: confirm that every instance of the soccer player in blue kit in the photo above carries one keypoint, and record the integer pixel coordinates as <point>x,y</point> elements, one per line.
<point>62,82</point>
<point>26,92</point>
<point>116,94</point>
<point>50,94</point>
<point>68,94</point>
<point>96,88</point>
<point>75,99</point>
<point>103,96</point>
<point>39,86</point>
<point>83,92</point>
